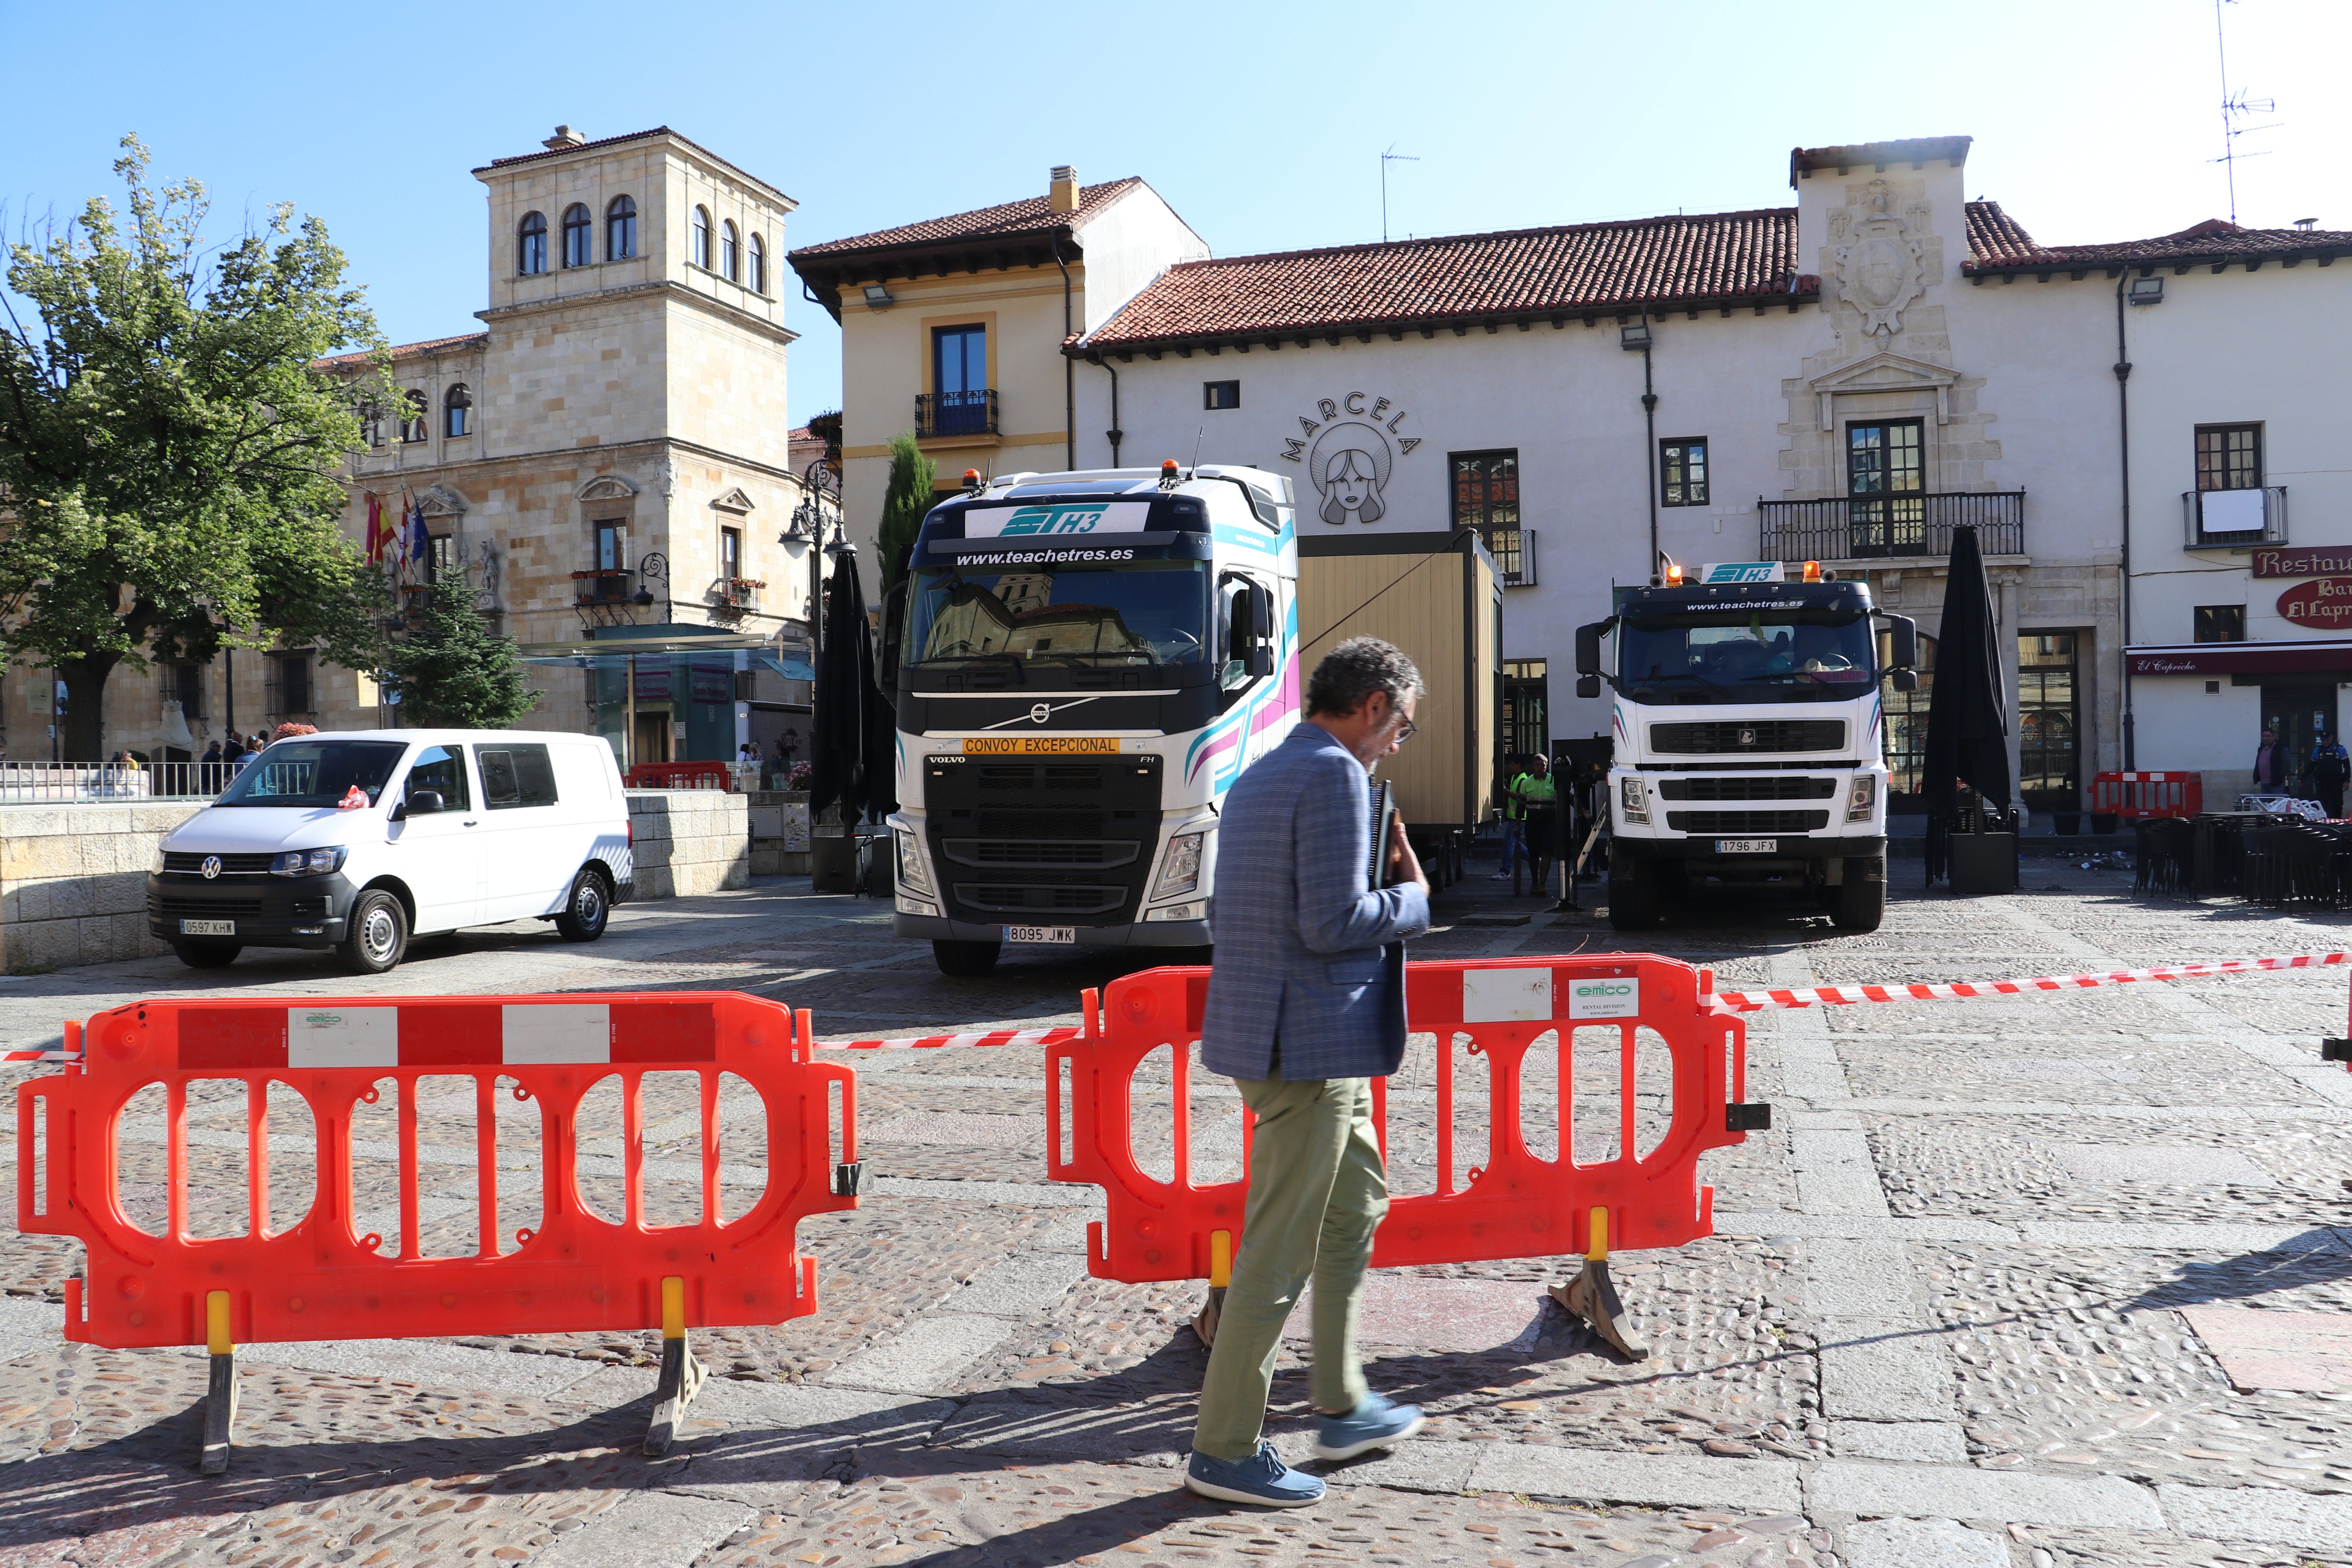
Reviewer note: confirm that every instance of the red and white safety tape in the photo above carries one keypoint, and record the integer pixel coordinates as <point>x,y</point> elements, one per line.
<point>1054,1036</point>
<point>1836,996</point>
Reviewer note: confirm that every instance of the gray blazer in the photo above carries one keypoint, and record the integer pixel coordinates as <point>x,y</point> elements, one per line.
<point>1308,951</point>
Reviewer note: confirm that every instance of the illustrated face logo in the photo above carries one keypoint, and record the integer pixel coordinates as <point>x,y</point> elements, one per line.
<point>1350,459</point>
<point>1040,711</point>
<point>211,867</point>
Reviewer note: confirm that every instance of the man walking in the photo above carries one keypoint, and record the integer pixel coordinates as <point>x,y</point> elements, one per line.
<point>2270,774</point>
<point>1306,1006</point>
<point>2330,766</point>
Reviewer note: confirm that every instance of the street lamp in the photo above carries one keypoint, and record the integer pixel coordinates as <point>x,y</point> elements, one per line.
<point>819,509</point>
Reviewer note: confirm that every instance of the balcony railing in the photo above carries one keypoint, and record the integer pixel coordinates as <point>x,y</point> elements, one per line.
<point>2224,520</point>
<point>608,585</point>
<point>1514,549</point>
<point>1864,528</point>
<point>956,413</point>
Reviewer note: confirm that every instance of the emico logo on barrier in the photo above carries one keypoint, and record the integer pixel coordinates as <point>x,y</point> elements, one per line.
<point>1605,998</point>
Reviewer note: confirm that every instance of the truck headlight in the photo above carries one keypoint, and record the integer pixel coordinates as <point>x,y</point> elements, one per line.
<point>1632,800</point>
<point>911,874</point>
<point>1862,798</point>
<point>1180,872</point>
<point>307,862</point>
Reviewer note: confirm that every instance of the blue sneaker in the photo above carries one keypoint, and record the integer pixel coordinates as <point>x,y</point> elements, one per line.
<point>1262,1478</point>
<point>1374,1424</point>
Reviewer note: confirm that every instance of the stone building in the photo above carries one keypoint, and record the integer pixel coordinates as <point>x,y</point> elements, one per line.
<point>609,458</point>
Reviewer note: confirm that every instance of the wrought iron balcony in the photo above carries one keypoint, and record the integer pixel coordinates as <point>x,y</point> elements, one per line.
<point>2227,520</point>
<point>969,413</point>
<point>609,585</point>
<point>1863,528</point>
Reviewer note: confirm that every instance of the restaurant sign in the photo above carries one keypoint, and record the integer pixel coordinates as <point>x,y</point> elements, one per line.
<point>2306,561</point>
<point>2324,602</point>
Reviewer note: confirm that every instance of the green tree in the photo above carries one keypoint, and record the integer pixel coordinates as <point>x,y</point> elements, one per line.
<point>169,453</point>
<point>904,502</point>
<point>452,673</point>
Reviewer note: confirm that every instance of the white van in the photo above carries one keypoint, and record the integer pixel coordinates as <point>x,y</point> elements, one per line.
<point>359,839</point>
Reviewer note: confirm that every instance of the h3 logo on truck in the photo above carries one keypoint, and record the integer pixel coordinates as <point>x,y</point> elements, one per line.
<point>1060,519</point>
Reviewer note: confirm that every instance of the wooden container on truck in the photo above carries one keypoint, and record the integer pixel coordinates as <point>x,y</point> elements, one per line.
<point>1438,598</point>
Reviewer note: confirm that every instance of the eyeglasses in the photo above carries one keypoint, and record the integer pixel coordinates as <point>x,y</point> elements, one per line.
<point>1408,732</point>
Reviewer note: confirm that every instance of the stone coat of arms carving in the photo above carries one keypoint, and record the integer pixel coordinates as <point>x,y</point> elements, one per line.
<point>1881,267</point>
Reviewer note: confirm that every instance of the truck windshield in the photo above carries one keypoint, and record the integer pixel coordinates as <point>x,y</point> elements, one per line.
<point>1136,613</point>
<point>1772,656</point>
<point>314,772</point>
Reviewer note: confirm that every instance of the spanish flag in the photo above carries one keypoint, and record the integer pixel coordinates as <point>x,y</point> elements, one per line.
<point>379,536</point>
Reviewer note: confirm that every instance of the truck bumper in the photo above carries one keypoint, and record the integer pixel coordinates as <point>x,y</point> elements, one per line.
<point>1154,933</point>
<point>1786,848</point>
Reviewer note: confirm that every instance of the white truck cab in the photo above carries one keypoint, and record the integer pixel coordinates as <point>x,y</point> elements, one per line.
<point>1749,742</point>
<point>359,839</point>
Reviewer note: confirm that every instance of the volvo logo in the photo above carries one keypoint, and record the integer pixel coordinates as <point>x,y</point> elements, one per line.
<point>211,867</point>
<point>1747,737</point>
<point>1040,711</point>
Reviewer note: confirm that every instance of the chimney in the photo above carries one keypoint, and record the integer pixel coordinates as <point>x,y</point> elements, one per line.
<point>565,137</point>
<point>1063,196</point>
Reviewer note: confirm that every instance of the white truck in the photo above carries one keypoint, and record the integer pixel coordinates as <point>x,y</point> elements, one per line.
<point>1747,738</point>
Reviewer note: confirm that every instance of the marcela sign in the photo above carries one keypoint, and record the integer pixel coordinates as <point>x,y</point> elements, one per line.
<point>2324,602</point>
<point>2308,560</point>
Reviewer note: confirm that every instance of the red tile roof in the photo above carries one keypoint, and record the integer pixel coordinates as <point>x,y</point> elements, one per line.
<point>406,350</point>
<point>1802,160</point>
<point>1746,257</point>
<point>1998,244</point>
<point>1030,215</point>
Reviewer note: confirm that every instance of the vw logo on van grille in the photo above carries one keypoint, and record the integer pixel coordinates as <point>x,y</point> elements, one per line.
<point>211,867</point>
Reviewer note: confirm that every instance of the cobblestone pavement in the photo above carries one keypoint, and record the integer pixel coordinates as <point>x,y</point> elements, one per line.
<point>2038,1281</point>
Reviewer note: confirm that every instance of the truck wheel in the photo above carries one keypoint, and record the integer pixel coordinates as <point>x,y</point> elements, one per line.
<point>965,960</point>
<point>1862,898</point>
<point>1632,896</point>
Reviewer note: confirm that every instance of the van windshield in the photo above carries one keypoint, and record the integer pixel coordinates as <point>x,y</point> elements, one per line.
<point>314,772</point>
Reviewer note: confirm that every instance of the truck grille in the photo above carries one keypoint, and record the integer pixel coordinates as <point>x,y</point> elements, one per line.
<point>1064,838</point>
<point>1749,735</point>
<point>1015,899</point>
<point>1746,821</point>
<point>1747,789</point>
<point>1040,852</point>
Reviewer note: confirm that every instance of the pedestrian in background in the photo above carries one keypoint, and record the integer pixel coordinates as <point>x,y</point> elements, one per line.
<point>1539,795</point>
<point>1512,814</point>
<point>2269,771</point>
<point>1305,1008</point>
<point>2330,766</point>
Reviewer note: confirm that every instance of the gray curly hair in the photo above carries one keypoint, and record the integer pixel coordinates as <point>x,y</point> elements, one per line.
<point>1355,669</point>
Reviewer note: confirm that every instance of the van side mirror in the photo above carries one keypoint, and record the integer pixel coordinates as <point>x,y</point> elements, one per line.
<point>1588,686</point>
<point>894,631</point>
<point>1904,679</point>
<point>421,803</point>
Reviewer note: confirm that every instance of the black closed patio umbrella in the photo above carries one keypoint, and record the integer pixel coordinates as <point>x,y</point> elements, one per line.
<point>851,744</point>
<point>1968,719</point>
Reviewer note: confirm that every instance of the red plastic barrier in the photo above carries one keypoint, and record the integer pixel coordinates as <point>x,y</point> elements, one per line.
<point>2148,794</point>
<point>678,776</point>
<point>1516,1205</point>
<point>322,1279</point>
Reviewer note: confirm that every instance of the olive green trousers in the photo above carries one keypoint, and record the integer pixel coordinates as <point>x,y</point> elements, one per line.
<point>1317,1191</point>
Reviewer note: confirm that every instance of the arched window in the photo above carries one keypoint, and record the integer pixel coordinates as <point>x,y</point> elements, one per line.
<point>530,244</point>
<point>413,417</point>
<point>577,226</point>
<point>457,412</point>
<point>759,278</point>
<point>730,261</point>
<point>620,229</point>
<point>699,242</point>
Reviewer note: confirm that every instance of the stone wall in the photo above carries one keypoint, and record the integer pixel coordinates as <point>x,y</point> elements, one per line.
<point>688,841</point>
<point>73,881</point>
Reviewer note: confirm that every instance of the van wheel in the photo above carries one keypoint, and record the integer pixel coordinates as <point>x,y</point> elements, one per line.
<point>376,936</point>
<point>207,955</point>
<point>1632,896</point>
<point>587,907</point>
<point>966,960</point>
<point>1861,900</point>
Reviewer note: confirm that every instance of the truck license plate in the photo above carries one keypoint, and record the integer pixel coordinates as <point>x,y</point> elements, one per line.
<point>208,927</point>
<point>1064,935</point>
<point>1745,846</point>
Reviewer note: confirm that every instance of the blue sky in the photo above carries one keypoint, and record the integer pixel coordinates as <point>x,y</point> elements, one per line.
<point>1262,124</point>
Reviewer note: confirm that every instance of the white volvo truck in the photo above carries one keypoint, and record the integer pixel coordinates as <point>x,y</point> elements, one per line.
<point>1747,737</point>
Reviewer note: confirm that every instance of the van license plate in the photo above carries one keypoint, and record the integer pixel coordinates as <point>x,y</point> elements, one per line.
<point>208,927</point>
<point>1064,935</point>
<point>1745,846</point>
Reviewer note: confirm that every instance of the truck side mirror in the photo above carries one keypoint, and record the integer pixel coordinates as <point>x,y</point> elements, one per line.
<point>1588,686</point>
<point>894,630</point>
<point>1261,642</point>
<point>1588,649</point>
<point>1904,679</point>
<point>1905,640</point>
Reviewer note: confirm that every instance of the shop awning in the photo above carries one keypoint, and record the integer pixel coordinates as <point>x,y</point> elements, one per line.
<point>2331,656</point>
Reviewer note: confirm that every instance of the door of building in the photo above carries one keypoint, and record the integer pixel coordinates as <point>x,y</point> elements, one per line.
<point>2301,712</point>
<point>2048,722</point>
<point>1525,695</point>
<point>650,743</point>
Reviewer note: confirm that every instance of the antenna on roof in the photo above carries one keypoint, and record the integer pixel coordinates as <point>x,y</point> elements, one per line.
<point>1391,156</point>
<point>1197,435</point>
<point>2234,106</point>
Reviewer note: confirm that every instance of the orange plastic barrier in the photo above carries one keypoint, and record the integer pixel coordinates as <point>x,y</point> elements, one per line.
<point>322,1278</point>
<point>1515,1205</point>
<point>2148,794</point>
